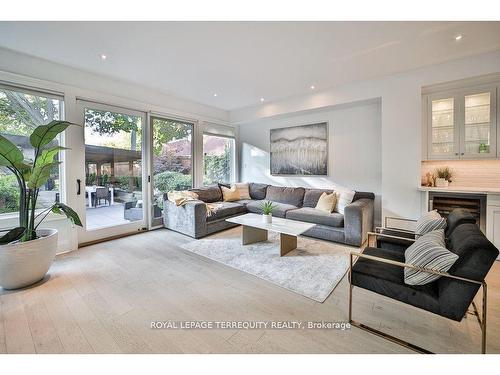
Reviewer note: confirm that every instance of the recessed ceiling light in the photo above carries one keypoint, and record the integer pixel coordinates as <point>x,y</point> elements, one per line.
<point>459,37</point>
<point>312,87</point>
<point>104,57</point>
<point>261,99</point>
<point>216,95</point>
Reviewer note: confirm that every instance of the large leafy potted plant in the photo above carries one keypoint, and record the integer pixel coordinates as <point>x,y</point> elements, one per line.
<point>27,252</point>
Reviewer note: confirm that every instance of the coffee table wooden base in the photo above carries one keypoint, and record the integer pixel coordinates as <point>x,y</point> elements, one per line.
<point>287,243</point>
<point>253,235</point>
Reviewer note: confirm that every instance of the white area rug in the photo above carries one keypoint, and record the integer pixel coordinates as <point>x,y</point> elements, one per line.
<point>312,270</point>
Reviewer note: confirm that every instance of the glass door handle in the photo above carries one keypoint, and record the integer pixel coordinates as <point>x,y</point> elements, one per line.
<point>78,188</point>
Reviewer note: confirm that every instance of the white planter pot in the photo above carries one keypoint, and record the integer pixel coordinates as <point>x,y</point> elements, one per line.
<point>25,263</point>
<point>267,218</point>
<point>441,182</point>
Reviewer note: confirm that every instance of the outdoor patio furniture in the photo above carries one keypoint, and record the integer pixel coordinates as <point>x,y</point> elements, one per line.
<point>131,211</point>
<point>100,194</point>
<point>90,194</point>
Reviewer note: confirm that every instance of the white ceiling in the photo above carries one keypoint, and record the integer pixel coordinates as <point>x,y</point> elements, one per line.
<point>244,61</point>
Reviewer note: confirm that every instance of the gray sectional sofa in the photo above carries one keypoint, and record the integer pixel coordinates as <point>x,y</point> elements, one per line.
<point>295,203</point>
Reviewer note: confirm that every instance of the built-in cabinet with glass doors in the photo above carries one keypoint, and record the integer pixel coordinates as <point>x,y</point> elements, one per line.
<point>462,124</point>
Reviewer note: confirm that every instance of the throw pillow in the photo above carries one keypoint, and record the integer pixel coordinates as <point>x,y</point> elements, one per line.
<point>436,236</point>
<point>244,189</point>
<point>326,202</point>
<point>428,222</point>
<point>208,194</point>
<point>428,252</point>
<point>230,195</point>
<point>344,198</point>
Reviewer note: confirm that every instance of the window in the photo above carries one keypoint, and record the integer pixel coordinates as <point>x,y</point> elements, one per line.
<point>172,159</point>
<point>218,159</point>
<point>20,113</point>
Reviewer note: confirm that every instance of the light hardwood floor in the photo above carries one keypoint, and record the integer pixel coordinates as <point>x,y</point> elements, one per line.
<point>102,299</point>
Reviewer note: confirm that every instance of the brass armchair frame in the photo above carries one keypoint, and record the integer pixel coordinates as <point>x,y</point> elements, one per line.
<point>481,319</point>
<point>378,234</point>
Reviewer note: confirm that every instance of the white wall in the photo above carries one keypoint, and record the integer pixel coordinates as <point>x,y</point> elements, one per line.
<point>401,121</point>
<point>354,154</point>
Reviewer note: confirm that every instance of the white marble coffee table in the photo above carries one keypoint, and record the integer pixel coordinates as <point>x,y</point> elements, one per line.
<point>255,230</point>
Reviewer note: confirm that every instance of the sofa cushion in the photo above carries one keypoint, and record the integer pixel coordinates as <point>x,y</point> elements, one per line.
<point>476,253</point>
<point>395,243</point>
<point>208,194</point>
<point>312,215</point>
<point>326,232</point>
<point>388,280</point>
<point>245,201</point>
<point>280,209</point>
<point>257,191</point>
<point>457,217</point>
<point>227,209</point>
<point>311,196</point>
<point>286,195</point>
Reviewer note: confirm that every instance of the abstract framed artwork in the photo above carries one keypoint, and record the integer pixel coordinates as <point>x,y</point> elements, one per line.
<point>300,150</point>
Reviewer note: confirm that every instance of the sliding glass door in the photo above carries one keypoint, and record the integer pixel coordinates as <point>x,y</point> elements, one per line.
<point>114,189</point>
<point>172,160</point>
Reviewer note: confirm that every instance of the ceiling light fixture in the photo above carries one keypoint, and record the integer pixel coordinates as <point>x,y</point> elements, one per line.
<point>262,99</point>
<point>312,87</point>
<point>215,95</point>
<point>104,57</point>
<point>459,37</point>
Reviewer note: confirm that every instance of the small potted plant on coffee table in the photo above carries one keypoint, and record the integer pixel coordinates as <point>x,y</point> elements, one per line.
<point>267,211</point>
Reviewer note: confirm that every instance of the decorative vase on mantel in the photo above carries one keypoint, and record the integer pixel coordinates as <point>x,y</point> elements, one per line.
<point>442,182</point>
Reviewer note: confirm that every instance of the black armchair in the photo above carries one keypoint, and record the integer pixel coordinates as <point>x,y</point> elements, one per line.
<point>381,270</point>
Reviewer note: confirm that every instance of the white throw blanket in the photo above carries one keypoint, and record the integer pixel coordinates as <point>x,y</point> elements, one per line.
<point>180,198</point>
